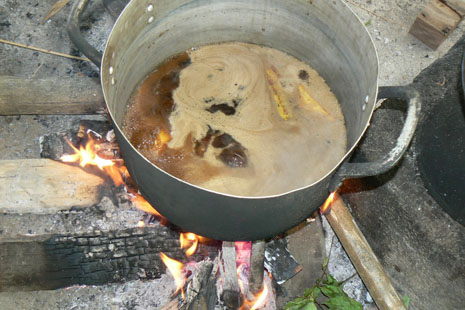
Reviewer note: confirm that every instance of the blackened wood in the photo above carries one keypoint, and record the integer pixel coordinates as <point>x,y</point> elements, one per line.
<point>91,259</point>
<point>257,259</point>
<point>201,292</point>
<point>365,261</point>
<point>50,96</point>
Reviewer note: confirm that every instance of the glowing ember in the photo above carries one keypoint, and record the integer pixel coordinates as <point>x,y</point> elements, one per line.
<point>141,224</point>
<point>326,207</point>
<point>189,242</point>
<point>177,271</point>
<point>243,251</point>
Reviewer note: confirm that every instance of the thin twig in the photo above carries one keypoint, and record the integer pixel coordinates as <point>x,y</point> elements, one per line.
<point>373,13</point>
<point>344,281</point>
<point>36,70</point>
<point>43,50</point>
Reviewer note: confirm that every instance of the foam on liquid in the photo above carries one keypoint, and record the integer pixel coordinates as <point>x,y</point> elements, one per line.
<point>222,89</point>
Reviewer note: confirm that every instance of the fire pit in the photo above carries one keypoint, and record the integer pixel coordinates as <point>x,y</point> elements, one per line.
<point>392,220</point>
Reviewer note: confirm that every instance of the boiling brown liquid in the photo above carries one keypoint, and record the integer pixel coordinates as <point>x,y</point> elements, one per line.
<point>211,116</point>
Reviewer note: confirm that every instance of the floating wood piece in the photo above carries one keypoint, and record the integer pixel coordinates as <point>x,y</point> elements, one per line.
<point>365,261</point>
<point>437,21</point>
<point>50,96</point>
<point>232,297</point>
<point>45,186</point>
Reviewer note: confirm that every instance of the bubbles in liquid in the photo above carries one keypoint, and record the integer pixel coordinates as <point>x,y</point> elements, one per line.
<point>213,117</point>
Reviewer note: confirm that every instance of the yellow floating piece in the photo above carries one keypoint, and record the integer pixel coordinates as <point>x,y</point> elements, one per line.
<point>311,102</point>
<point>278,94</point>
<point>162,138</point>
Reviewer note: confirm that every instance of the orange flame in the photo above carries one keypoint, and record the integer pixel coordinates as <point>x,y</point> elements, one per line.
<point>326,207</point>
<point>189,242</point>
<point>87,156</point>
<point>261,298</point>
<point>177,271</point>
<point>140,203</point>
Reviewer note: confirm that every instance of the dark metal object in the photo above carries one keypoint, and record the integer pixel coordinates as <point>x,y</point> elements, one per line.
<point>115,7</point>
<point>441,145</point>
<point>345,56</point>
<point>279,261</point>
<point>358,170</point>
<point>75,35</point>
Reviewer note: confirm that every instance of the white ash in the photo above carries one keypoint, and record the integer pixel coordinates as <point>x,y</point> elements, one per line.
<point>136,295</point>
<point>341,268</point>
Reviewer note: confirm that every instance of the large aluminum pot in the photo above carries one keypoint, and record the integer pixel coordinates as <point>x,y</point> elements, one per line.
<point>325,34</point>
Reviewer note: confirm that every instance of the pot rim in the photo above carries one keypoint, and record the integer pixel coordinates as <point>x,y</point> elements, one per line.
<point>104,72</point>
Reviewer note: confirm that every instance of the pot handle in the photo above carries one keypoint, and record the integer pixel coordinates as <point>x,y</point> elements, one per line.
<point>359,170</point>
<point>75,35</point>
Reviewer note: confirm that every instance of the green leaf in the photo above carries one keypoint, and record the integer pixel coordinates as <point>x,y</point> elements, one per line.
<point>316,293</point>
<point>331,280</point>
<point>406,301</point>
<point>331,291</point>
<point>343,303</point>
<point>368,23</point>
<point>309,306</point>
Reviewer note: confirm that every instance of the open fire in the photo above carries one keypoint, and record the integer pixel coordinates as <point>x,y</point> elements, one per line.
<point>88,155</point>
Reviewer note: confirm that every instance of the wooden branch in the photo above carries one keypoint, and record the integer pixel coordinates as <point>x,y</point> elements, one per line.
<point>231,291</point>
<point>50,96</point>
<point>365,261</point>
<point>257,260</point>
<point>436,22</point>
<point>45,186</point>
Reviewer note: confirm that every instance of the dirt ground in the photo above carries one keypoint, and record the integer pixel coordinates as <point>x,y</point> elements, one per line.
<point>401,58</point>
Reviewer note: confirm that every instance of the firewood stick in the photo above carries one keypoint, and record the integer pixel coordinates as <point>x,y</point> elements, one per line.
<point>257,260</point>
<point>30,96</point>
<point>231,291</point>
<point>365,261</point>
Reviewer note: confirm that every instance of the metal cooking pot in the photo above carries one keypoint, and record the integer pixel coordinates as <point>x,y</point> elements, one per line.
<point>325,34</point>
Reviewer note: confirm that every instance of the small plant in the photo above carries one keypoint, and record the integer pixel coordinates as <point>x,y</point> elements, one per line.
<point>334,297</point>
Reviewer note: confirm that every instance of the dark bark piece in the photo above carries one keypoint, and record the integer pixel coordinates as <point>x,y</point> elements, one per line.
<point>223,141</point>
<point>222,107</point>
<point>234,156</point>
